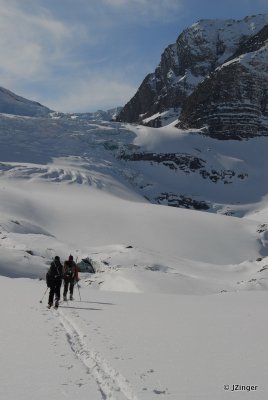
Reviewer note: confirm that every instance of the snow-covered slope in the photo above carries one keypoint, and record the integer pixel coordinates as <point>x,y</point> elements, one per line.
<point>102,173</point>
<point>164,165</point>
<point>132,346</point>
<point>173,287</point>
<point>186,169</point>
<point>10,103</point>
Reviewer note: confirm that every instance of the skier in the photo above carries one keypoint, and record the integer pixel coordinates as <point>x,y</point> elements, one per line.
<point>70,276</point>
<point>54,280</point>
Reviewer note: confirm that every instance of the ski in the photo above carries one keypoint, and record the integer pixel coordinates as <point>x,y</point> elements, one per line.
<point>56,306</point>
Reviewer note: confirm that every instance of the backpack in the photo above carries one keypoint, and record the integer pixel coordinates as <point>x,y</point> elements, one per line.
<point>69,269</point>
<point>54,273</point>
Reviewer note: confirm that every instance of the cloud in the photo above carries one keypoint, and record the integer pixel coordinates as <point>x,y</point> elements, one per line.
<point>30,43</point>
<point>77,55</point>
<point>160,10</point>
<point>87,93</point>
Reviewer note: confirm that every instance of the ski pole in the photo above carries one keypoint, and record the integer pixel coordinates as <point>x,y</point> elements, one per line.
<point>78,290</point>
<point>77,281</point>
<point>44,295</point>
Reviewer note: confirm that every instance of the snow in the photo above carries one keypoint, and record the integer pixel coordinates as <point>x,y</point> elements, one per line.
<point>246,159</point>
<point>132,346</point>
<point>211,32</point>
<point>167,117</point>
<point>177,306</point>
<point>11,103</point>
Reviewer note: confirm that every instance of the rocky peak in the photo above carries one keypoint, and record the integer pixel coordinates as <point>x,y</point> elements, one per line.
<point>232,102</point>
<point>197,54</point>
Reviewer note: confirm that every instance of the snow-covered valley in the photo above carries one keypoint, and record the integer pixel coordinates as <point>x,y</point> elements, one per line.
<point>177,306</point>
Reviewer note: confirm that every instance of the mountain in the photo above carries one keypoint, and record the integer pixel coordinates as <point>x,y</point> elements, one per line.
<point>10,103</point>
<point>100,115</point>
<point>214,77</point>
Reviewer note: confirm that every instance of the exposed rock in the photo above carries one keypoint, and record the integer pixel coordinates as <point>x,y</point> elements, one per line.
<point>174,200</point>
<point>184,162</point>
<point>233,101</point>
<point>215,76</point>
<point>171,160</point>
<point>140,103</point>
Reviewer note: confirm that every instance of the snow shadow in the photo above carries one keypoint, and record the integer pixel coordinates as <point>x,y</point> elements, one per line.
<point>82,308</point>
<point>98,302</point>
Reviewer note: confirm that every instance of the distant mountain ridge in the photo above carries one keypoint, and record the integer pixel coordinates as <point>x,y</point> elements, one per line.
<point>100,115</point>
<point>11,103</point>
<point>214,77</point>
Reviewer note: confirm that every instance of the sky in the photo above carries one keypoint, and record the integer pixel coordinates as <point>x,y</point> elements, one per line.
<point>86,55</point>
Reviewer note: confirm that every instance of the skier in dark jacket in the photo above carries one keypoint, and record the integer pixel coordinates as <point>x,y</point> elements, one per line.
<point>70,276</point>
<point>54,279</point>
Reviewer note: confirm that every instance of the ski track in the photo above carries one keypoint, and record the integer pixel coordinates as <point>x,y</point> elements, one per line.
<point>111,383</point>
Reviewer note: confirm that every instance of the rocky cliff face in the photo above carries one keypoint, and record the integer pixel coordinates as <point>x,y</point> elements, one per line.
<point>214,76</point>
<point>232,102</point>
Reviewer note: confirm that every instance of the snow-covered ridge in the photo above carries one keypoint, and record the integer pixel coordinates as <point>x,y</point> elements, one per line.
<point>222,37</point>
<point>10,103</point>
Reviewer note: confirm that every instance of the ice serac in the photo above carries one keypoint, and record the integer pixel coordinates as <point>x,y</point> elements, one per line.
<point>10,103</point>
<point>214,76</point>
